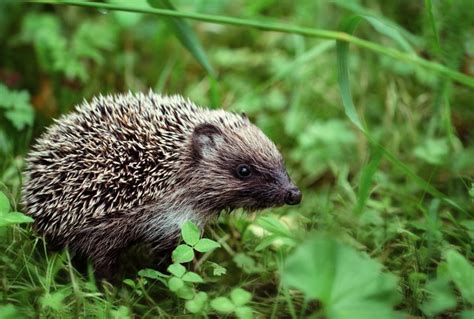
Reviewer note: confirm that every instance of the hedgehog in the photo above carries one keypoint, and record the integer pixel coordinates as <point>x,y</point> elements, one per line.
<point>132,168</point>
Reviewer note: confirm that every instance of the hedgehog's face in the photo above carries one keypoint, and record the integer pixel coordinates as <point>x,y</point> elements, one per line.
<point>239,167</point>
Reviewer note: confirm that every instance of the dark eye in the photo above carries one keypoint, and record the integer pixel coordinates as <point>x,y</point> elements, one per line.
<point>243,171</point>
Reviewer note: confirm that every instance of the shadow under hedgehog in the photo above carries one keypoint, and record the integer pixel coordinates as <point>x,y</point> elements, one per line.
<point>133,168</point>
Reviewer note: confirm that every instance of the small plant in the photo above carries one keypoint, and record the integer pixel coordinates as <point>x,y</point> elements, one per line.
<point>8,218</point>
<point>236,304</point>
<point>441,296</point>
<point>191,236</point>
<point>17,107</point>
<point>67,54</point>
<point>278,233</point>
<point>182,282</point>
<point>347,283</point>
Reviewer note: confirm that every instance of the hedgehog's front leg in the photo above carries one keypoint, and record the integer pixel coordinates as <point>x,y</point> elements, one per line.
<point>103,241</point>
<point>105,264</point>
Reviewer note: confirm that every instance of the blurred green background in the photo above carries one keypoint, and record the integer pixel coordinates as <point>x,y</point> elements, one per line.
<point>386,226</point>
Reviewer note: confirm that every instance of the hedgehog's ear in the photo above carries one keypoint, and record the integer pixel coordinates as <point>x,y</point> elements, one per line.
<point>206,137</point>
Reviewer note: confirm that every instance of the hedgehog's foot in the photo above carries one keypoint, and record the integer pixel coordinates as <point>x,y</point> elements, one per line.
<point>106,266</point>
<point>102,244</point>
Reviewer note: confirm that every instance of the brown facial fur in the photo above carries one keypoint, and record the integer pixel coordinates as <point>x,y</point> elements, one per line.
<point>215,172</point>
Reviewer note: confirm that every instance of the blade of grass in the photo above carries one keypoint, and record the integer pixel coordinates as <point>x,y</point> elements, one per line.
<point>285,28</point>
<point>442,104</point>
<point>289,301</point>
<point>275,305</point>
<point>390,32</point>
<point>429,7</point>
<point>186,35</point>
<point>349,25</point>
<point>164,75</point>
<point>366,177</point>
<point>214,90</point>
<point>299,62</point>
<point>356,8</point>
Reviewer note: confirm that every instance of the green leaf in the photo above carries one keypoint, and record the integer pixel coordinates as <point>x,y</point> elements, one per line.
<point>349,284</point>
<point>202,296</point>
<point>186,35</point>
<point>130,283</point>
<point>335,141</point>
<point>177,270</point>
<point>433,151</point>
<point>462,273</point>
<point>194,306</point>
<point>151,273</point>
<point>190,233</point>
<point>20,117</point>
<point>129,19</point>
<point>469,224</point>
<point>441,298</point>
<point>244,312</point>
<point>53,300</point>
<point>246,263</point>
<point>192,277</point>
<point>183,254</point>
<point>90,38</point>
<point>67,53</point>
<point>274,226</point>
<point>10,99</point>
<point>467,314</point>
<point>266,241</point>
<point>197,304</point>
<point>17,107</point>
<point>121,312</point>
<point>9,311</point>
<point>185,292</point>
<point>4,203</point>
<point>223,305</point>
<point>13,218</point>
<point>175,283</point>
<point>217,270</point>
<point>240,296</point>
<point>204,245</point>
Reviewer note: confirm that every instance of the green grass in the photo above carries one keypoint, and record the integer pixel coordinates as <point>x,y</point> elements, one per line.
<point>375,125</point>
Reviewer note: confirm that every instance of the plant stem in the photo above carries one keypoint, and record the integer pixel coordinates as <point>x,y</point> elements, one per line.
<point>284,28</point>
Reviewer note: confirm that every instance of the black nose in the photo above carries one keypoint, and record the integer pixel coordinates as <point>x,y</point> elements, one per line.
<point>293,196</point>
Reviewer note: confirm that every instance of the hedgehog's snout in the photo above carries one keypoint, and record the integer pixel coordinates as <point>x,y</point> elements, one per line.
<point>293,196</point>
<point>289,192</point>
